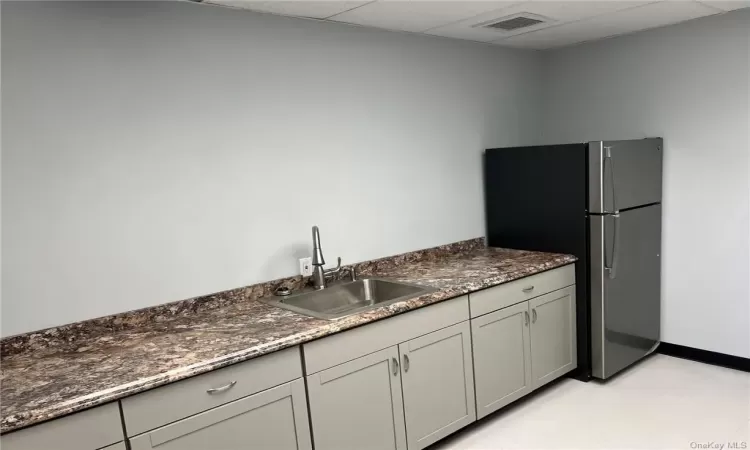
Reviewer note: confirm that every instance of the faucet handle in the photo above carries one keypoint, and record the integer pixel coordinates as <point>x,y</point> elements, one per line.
<point>335,270</point>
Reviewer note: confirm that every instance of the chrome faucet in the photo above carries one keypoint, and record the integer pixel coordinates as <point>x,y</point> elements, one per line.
<point>319,274</point>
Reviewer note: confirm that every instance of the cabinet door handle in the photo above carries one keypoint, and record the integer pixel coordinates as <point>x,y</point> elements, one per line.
<point>395,367</point>
<point>526,316</point>
<point>528,289</point>
<point>533,314</point>
<point>219,390</point>
<point>406,363</point>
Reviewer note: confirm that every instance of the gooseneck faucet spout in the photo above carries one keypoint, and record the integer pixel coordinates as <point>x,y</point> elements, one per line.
<point>319,274</point>
<point>317,258</point>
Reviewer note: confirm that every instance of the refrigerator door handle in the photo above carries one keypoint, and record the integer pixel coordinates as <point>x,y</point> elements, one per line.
<point>611,268</point>
<point>611,165</point>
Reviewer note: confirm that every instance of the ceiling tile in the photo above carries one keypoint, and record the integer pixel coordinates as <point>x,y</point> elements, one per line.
<point>316,9</point>
<point>557,11</point>
<point>727,5</point>
<point>415,15</point>
<point>626,21</point>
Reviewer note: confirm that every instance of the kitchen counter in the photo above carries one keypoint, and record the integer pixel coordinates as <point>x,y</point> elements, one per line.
<point>62,370</point>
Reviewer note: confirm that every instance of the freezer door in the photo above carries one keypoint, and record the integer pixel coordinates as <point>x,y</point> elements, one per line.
<point>624,174</point>
<point>625,288</point>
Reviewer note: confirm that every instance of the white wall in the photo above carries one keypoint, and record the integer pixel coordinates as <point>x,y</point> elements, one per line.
<point>689,84</point>
<point>158,151</point>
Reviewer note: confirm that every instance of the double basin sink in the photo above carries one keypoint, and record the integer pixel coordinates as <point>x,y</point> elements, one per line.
<point>345,299</point>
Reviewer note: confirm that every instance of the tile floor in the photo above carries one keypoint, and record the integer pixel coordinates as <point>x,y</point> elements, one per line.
<point>661,403</point>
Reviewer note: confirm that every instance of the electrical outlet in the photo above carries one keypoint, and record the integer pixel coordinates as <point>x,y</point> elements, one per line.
<point>305,266</point>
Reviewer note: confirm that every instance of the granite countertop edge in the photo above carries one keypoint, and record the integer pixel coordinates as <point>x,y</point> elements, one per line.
<point>35,416</point>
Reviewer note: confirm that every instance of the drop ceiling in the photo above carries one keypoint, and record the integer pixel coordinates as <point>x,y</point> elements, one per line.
<point>563,22</point>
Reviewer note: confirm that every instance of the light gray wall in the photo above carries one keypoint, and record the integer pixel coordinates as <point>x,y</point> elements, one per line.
<point>158,151</point>
<point>689,84</point>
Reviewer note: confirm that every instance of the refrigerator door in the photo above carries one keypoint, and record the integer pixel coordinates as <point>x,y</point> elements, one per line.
<point>625,288</point>
<point>624,174</point>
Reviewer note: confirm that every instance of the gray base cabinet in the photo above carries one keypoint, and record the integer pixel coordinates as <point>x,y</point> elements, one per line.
<point>402,397</point>
<point>522,347</point>
<point>358,404</point>
<point>176,401</point>
<point>553,334</point>
<point>438,384</point>
<point>92,429</point>
<point>273,419</point>
<point>502,357</point>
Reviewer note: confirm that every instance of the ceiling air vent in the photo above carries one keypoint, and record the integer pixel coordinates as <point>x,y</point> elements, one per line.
<point>514,22</point>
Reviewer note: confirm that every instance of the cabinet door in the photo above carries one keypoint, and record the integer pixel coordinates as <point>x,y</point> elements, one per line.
<point>553,334</point>
<point>358,404</point>
<point>502,357</point>
<point>438,382</point>
<point>273,419</point>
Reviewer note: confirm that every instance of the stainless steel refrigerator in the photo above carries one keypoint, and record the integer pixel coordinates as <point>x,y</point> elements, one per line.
<point>600,201</point>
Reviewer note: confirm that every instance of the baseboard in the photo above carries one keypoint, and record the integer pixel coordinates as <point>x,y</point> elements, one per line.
<point>580,374</point>
<point>705,356</point>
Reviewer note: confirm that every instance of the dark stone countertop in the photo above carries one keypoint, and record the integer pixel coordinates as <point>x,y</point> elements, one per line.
<point>62,370</point>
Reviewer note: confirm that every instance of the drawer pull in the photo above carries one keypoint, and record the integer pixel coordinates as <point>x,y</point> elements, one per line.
<point>219,390</point>
<point>528,289</point>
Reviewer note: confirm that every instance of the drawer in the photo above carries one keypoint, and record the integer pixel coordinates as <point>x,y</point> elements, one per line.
<point>178,400</point>
<point>352,344</point>
<point>494,298</point>
<point>87,430</point>
<point>274,419</point>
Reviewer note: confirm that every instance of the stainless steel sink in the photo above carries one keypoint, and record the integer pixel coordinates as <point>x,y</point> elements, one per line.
<point>345,299</point>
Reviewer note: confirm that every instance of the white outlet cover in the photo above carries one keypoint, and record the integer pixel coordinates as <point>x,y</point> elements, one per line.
<point>305,267</point>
